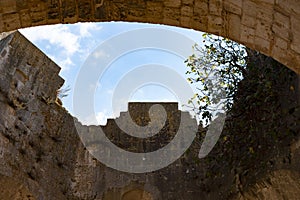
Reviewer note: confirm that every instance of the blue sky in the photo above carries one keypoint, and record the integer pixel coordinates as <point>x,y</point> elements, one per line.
<point>70,45</point>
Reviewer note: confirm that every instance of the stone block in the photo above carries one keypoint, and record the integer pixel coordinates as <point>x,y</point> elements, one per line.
<point>136,14</point>
<point>267,1</point>
<point>289,59</point>
<point>154,9</point>
<point>188,2</point>
<point>282,20</point>
<point>38,18</point>
<point>295,26</point>
<point>280,49</point>
<point>187,11</point>
<point>53,14</point>
<point>200,23</point>
<point>100,13</point>
<point>249,8</point>
<point>262,45</point>
<point>295,45</point>
<point>280,43</point>
<point>201,8</point>
<point>281,26</point>
<point>54,4</point>
<point>171,16</point>
<point>84,9</point>
<point>234,7</point>
<point>215,25</point>
<point>11,21</point>
<point>185,21</point>
<point>25,18</point>
<point>21,76</point>
<point>171,22</point>
<point>248,21</point>
<point>215,7</point>
<point>172,3</point>
<point>288,6</point>
<point>22,5</point>
<point>8,7</point>
<point>38,6</point>
<point>281,32</point>
<point>233,26</point>
<point>265,12</point>
<point>263,30</point>
<point>68,8</point>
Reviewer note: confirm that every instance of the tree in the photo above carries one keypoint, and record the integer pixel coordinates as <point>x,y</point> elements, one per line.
<point>261,97</point>
<point>216,69</point>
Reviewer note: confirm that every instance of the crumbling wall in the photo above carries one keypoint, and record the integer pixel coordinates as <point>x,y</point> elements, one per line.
<point>38,141</point>
<point>40,148</point>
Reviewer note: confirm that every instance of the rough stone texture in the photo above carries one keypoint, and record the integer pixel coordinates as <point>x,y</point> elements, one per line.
<point>269,26</point>
<point>13,189</point>
<point>94,181</point>
<point>42,156</point>
<point>41,150</point>
<point>37,141</point>
<point>281,184</point>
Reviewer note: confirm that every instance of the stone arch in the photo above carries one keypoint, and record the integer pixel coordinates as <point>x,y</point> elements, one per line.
<point>12,189</point>
<point>269,26</point>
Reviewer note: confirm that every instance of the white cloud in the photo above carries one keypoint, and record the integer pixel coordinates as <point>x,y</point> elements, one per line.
<point>119,105</point>
<point>65,64</point>
<point>85,28</point>
<point>64,41</point>
<point>94,87</point>
<point>110,91</point>
<point>59,35</point>
<point>100,118</point>
<point>100,54</point>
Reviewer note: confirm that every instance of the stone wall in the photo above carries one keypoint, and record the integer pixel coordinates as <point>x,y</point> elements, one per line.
<point>42,156</point>
<point>38,143</point>
<point>269,26</point>
<point>95,181</point>
<point>41,152</point>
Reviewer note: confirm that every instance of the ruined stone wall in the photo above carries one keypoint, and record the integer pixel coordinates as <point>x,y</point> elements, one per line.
<point>42,156</point>
<point>106,183</point>
<point>140,115</point>
<point>268,26</point>
<point>40,150</point>
<point>38,143</point>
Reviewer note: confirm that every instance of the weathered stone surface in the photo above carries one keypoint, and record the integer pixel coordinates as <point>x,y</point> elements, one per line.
<point>268,18</point>
<point>29,131</point>
<point>42,156</point>
<point>13,189</point>
<point>40,148</point>
<point>280,184</point>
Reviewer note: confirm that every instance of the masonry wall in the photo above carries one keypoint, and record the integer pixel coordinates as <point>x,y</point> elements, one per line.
<point>40,148</point>
<point>42,156</point>
<point>269,26</point>
<point>37,140</point>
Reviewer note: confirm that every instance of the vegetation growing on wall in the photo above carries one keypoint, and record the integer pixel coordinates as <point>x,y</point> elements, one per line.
<point>263,113</point>
<point>217,66</point>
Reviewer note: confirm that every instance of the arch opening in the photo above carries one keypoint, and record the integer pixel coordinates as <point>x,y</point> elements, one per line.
<point>137,192</point>
<point>65,43</point>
